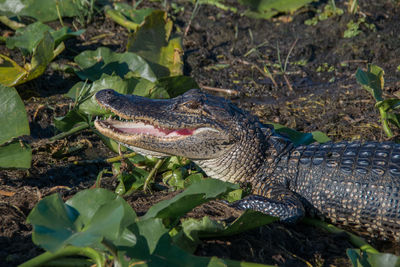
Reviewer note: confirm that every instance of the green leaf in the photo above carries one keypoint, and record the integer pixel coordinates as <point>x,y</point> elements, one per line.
<point>15,155</point>
<point>84,220</point>
<point>89,105</point>
<point>135,15</point>
<point>53,222</point>
<point>104,60</point>
<point>129,181</point>
<point>28,38</point>
<point>12,74</point>
<point>42,56</point>
<point>266,9</point>
<point>42,10</point>
<point>196,194</point>
<point>195,229</point>
<point>175,178</point>
<point>388,104</point>
<point>299,138</point>
<point>170,87</point>
<point>372,80</point>
<point>12,114</point>
<point>68,121</point>
<point>152,42</point>
<point>167,254</point>
<point>361,258</point>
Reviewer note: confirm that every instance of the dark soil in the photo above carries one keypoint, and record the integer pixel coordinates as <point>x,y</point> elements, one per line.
<point>307,100</point>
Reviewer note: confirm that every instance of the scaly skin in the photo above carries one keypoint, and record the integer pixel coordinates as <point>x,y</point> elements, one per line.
<point>353,184</point>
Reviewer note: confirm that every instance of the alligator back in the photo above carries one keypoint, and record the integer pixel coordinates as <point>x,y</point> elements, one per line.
<point>355,184</point>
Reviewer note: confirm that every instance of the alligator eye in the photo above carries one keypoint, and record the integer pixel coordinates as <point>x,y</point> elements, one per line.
<point>192,104</point>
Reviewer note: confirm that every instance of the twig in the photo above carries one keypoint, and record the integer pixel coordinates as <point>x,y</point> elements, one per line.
<point>10,23</point>
<point>152,173</point>
<point>287,82</point>
<point>288,55</point>
<point>194,13</point>
<point>222,90</point>
<point>266,74</point>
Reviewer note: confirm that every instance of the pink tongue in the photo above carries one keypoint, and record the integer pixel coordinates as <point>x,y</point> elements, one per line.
<point>185,132</point>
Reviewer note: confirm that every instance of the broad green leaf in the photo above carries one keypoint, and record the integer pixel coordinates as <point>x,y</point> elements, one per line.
<point>248,220</point>
<point>15,155</point>
<point>126,15</point>
<point>135,15</point>
<point>196,194</point>
<point>84,220</point>
<point>195,177</point>
<point>372,80</point>
<point>53,222</point>
<point>89,105</point>
<point>94,63</point>
<point>111,144</point>
<point>388,104</point>
<point>10,71</point>
<point>42,56</point>
<point>152,229</point>
<point>152,42</point>
<point>28,38</point>
<point>68,121</point>
<point>194,229</point>
<point>170,87</point>
<point>175,178</point>
<point>42,10</point>
<point>12,74</point>
<point>12,115</point>
<point>167,254</point>
<point>129,181</point>
<point>366,259</point>
<point>299,138</point>
<point>265,9</point>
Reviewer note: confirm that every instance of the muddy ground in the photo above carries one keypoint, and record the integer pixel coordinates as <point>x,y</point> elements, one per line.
<point>320,93</point>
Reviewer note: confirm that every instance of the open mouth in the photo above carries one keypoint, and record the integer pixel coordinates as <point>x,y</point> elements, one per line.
<point>133,128</point>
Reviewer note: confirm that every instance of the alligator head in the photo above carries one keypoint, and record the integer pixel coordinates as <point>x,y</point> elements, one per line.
<point>207,129</point>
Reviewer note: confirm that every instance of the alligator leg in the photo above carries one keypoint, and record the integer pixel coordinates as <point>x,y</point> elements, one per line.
<point>279,202</point>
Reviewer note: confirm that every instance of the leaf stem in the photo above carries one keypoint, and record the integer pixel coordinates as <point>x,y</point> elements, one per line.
<point>152,173</point>
<point>115,16</point>
<point>385,122</point>
<point>80,127</point>
<point>46,257</point>
<point>10,23</point>
<point>109,160</point>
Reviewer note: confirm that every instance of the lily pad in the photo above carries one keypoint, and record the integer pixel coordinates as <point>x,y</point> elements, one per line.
<point>28,38</point>
<point>153,42</point>
<point>266,9</point>
<point>105,61</point>
<point>299,138</point>
<point>41,10</point>
<point>12,74</point>
<point>84,220</point>
<point>13,114</point>
<point>196,194</point>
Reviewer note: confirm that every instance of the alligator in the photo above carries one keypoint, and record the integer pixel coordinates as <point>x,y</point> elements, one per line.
<point>355,184</point>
